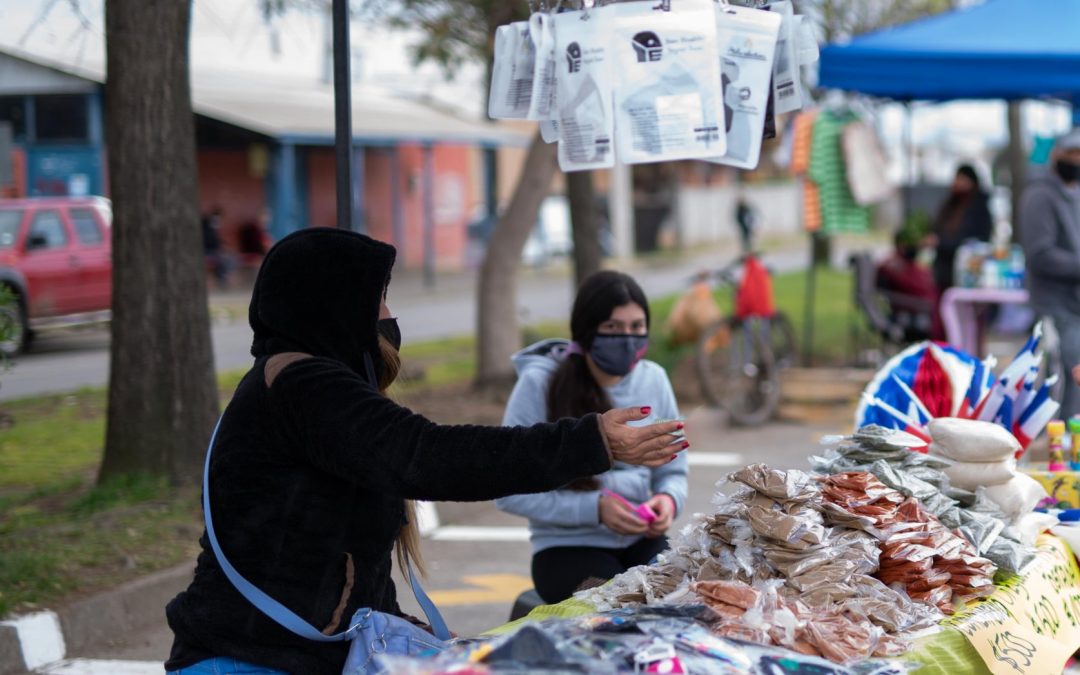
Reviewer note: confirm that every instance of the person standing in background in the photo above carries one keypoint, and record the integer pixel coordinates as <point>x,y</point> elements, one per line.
<point>964,215</point>
<point>1050,236</point>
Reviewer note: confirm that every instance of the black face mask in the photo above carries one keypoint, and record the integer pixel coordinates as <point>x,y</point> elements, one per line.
<point>388,328</point>
<point>1069,172</point>
<point>618,354</point>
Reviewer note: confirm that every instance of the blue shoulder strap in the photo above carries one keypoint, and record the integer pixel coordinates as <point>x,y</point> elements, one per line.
<point>279,612</point>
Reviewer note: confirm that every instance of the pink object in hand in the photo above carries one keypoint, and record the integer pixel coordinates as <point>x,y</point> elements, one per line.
<point>643,511</point>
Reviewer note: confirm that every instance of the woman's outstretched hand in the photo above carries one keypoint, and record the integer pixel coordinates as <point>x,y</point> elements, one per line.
<point>646,446</point>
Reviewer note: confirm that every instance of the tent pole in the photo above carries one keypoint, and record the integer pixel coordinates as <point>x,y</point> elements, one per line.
<point>342,115</point>
<point>909,160</point>
<point>808,304</point>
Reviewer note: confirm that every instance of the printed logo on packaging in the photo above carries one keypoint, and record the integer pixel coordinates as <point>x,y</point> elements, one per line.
<point>573,57</point>
<point>648,47</point>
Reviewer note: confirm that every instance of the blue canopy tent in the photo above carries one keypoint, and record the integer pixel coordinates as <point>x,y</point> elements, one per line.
<point>1001,49</point>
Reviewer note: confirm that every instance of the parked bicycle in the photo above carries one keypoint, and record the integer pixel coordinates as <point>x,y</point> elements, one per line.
<point>739,357</point>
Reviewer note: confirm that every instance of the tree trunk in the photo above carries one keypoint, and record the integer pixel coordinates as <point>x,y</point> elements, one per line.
<point>587,254</point>
<point>1017,164</point>
<point>162,389</point>
<point>497,313</point>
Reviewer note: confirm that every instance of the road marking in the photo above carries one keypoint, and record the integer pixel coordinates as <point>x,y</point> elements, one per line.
<point>470,533</point>
<point>714,458</point>
<point>485,589</point>
<point>40,638</point>
<point>103,667</point>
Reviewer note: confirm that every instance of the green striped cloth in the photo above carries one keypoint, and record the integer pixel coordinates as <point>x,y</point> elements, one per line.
<point>839,212</point>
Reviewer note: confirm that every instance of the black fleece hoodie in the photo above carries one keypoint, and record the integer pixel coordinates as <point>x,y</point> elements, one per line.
<point>309,476</point>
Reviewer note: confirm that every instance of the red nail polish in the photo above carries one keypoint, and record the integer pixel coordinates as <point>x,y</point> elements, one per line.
<point>685,445</point>
<point>681,425</point>
<point>645,410</point>
<point>673,458</point>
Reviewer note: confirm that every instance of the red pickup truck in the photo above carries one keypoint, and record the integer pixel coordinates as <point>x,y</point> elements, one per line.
<point>56,257</point>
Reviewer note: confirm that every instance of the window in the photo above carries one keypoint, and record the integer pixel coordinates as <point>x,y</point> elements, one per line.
<point>9,227</point>
<point>13,110</point>
<point>86,226</point>
<point>61,118</point>
<point>46,231</point>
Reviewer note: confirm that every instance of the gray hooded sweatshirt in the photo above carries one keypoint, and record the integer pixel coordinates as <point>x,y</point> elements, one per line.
<point>570,517</point>
<point>1050,235</point>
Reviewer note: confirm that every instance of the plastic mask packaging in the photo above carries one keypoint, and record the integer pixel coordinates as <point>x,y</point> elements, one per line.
<point>747,42</point>
<point>787,84</point>
<point>666,98</point>
<point>542,102</point>
<point>583,95</point>
<point>512,72</point>
<point>549,131</point>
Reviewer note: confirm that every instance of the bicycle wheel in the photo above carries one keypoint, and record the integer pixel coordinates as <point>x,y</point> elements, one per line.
<point>737,371</point>
<point>782,340</point>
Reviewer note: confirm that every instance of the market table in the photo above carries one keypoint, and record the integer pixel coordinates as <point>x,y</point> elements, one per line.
<point>958,312</point>
<point>1030,625</point>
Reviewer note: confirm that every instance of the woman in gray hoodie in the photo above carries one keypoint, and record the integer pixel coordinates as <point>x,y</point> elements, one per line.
<point>588,529</point>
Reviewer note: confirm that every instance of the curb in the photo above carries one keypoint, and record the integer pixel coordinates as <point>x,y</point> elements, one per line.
<point>33,641</point>
<point>36,640</point>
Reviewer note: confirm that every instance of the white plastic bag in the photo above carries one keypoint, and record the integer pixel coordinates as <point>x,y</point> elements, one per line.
<point>544,89</point>
<point>787,79</point>
<point>666,90</point>
<point>971,440</point>
<point>970,475</point>
<point>512,72</point>
<point>1018,497</point>
<point>747,45</point>
<point>583,96</point>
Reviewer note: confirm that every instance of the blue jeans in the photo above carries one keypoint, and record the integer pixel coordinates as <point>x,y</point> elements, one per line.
<point>223,665</point>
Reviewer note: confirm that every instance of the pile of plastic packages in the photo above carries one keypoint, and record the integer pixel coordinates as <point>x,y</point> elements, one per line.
<point>838,567</point>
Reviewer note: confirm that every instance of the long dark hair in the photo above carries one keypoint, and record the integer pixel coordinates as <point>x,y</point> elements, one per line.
<point>572,391</point>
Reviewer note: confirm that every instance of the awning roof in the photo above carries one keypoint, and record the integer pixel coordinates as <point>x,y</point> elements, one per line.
<point>302,111</point>
<point>1001,49</point>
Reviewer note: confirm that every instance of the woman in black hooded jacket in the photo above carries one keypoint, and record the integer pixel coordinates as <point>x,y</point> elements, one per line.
<point>312,464</point>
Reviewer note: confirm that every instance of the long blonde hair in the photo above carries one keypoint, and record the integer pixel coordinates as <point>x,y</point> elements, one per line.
<point>408,542</point>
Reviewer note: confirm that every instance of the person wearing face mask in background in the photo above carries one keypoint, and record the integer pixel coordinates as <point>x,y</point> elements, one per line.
<point>964,215</point>
<point>1050,235</point>
<point>313,468</point>
<point>909,289</point>
<point>586,529</point>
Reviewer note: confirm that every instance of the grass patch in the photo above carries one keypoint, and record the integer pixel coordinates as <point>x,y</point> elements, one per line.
<point>61,535</point>
<point>832,316</point>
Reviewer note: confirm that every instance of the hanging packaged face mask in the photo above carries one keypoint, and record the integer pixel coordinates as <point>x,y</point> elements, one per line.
<point>747,45</point>
<point>542,103</point>
<point>549,131</point>
<point>787,80</point>
<point>806,43</point>
<point>586,126</point>
<point>667,103</point>
<point>512,72</point>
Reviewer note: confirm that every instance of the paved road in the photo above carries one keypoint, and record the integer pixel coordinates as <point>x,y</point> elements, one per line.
<point>63,361</point>
<point>478,563</point>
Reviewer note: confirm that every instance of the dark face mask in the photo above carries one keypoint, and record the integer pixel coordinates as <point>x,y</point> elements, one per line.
<point>1069,172</point>
<point>388,328</point>
<point>618,354</point>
